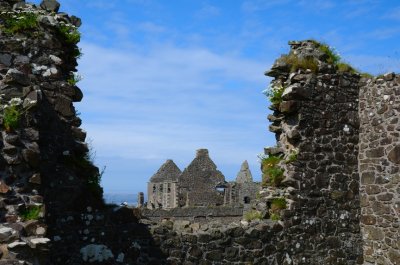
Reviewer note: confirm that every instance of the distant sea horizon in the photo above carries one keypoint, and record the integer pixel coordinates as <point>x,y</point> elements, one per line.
<point>118,198</point>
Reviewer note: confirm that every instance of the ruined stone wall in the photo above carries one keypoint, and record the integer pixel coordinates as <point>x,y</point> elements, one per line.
<point>317,127</point>
<point>316,122</point>
<point>198,181</point>
<point>51,208</point>
<point>379,160</point>
<point>223,214</point>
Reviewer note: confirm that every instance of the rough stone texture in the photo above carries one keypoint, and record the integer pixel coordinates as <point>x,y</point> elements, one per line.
<point>43,169</point>
<point>50,5</point>
<point>196,214</point>
<point>321,184</point>
<point>198,182</point>
<point>162,188</point>
<point>379,166</point>
<point>244,174</point>
<point>168,186</point>
<point>168,171</point>
<point>45,173</point>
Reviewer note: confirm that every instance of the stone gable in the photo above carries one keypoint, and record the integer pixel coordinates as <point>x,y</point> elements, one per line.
<point>169,171</point>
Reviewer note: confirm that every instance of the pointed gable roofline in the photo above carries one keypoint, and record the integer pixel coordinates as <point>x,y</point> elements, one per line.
<point>244,175</point>
<point>169,171</point>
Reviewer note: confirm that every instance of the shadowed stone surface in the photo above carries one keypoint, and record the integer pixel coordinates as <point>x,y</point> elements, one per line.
<point>342,194</point>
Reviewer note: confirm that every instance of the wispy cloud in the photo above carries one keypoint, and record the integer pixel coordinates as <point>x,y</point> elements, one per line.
<point>393,14</point>
<point>151,27</point>
<point>260,5</point>
<point>358,8</point>
<point>318,5</point>
<point>169,101</point>
<point>208,11</point>
<point>384,33</point>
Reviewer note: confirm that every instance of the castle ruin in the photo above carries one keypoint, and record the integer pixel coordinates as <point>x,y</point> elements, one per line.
<point>199,185</point>
<point>336,175</point>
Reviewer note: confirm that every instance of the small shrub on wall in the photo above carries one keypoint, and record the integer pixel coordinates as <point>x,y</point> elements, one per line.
<point>272,172</point>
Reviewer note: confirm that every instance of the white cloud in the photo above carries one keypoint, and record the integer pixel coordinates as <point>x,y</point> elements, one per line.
<point>151,27</point>
<point>318,5</point>
<point>393,14</point>
<point>260,5</point>
<point>208,11</point>
<point>384,33</point>
<point>169,101</point>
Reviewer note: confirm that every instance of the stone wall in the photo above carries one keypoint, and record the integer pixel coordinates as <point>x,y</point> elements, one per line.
<point>379,160</point>
<point>198,181</point>
<point>316,125</point>
<point>51,205</point>
<point>222,214</point>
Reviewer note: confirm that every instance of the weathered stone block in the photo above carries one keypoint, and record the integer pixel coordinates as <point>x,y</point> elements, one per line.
<point>368,178</point>
<point>195,251</point>
<point>50,5</point>
<point>375,152</point>
<point>374,233</point>
<point>394,255</point>
<point>15,76</point>
<point>289,106</point>
<point>394,155</point>
<point>385,197</point>
<point>372,189</point>
<point>368,219</point>
<point>214,255</point>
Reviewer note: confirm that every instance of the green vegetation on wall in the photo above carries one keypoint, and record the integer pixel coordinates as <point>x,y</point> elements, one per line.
<point>74,78</point>
<point>253,215</point>
<point>297,63</point>
<point>292,157</point>
<point>274,93</point>
<point>32,212</point>
<point>272,172</point>
<point>70,33</point>
<point>277,205</point>
<point>11,117</point>
<point>13,23</point>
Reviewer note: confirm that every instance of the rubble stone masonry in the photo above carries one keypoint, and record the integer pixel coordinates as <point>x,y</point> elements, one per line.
<point>337,142</point>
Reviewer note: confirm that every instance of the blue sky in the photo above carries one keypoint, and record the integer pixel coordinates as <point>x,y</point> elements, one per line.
<point>164,78</point>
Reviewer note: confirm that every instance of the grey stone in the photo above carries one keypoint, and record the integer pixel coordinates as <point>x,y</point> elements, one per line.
<point>35,242</point>
<point>5,59</point>
<point>394,155</point>
<point>50,5</point>
<point>7,233</point>
<point>31,156</point>
<point>289,106</point>
<point>79,133</point>
<point>16,244</point>
<point>375,152</point>
<point>76,21</point>
<point>244,174</point>
<point>21,59</point>
<point>64,106</point>
<point>168,171</point>
<point>49,20</point>
<point>389,76</point>
<point>296,91</point>
<point>368,219</point>
<point>15,76</point>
